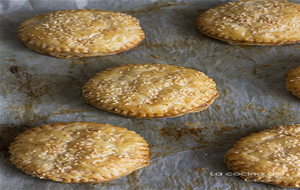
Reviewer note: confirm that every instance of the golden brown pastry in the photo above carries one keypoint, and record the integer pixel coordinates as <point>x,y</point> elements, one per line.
<point>81,33</point>
<point>293,81</point>
<point>150,90</point>
<point>79,152</point>
<point>253,22</point>
<point>270,156</point>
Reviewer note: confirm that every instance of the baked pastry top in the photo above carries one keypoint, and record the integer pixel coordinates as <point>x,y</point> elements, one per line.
<point>270,156</point>
<point>293,81</point>
<point>81,33</point>
<point>76,152</point>
<point>252,22</point>
<point>150,90</point>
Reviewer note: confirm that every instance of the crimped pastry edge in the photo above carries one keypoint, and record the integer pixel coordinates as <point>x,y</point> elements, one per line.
<point>231,41</point>
<point>13,145</point>
<point>198,109</point>
<point>237,42</point>
<point>166,115</point>
<point>290,77</point>
<point>262,178</point>
<point>74,54</point>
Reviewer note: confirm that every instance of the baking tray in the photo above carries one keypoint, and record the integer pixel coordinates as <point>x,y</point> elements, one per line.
<point>187,151</point>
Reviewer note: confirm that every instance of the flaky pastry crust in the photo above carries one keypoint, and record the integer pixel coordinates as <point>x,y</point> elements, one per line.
<point>252,22</point>
<point>81,33</point>
<point>293,81</point>
<point>79,152</point>
<point>271,156</point>
<point>150,90</point>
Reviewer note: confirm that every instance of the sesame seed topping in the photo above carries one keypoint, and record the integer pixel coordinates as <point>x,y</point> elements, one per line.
<point>106,153</point>
<point>169,89</point>
<point>252,22</point>
<point>272,153</point>
<point>85,32</point>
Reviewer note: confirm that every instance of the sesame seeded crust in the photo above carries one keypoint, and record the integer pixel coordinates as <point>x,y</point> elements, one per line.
<point>79,152</point>
<point>81,33</point>
<point>293,81</point>
<point>270,156</point>
<point>150,90</point>
<point>252,22</point>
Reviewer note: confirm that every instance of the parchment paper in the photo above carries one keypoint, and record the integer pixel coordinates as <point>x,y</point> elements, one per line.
<point>187,151</point>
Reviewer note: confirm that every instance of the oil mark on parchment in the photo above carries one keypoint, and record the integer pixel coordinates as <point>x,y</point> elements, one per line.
<point>156,57</point>
<point>224,129</point>
<point>11,60</point>
<point>198,181</point>
<point>255,69</point>
<point>78,62</point>
<point>27,94</point>
<point>249,106</point>
<point>198,169</point>
<point>15,70</point>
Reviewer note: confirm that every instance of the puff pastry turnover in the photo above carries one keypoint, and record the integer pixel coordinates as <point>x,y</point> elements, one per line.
<point>252,22</point>
<point>81,33</point>
<point>293,81</point>
<point>79,152</point>
<point>150,90</point>
<point>270,156</point>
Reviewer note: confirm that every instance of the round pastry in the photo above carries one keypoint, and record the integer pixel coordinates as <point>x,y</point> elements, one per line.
<point>293,81</point>
<point>252,22</point>
<point>79,152</point>
<point>270,156</point>
<point>81,33</point>
<point>150,90</point>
